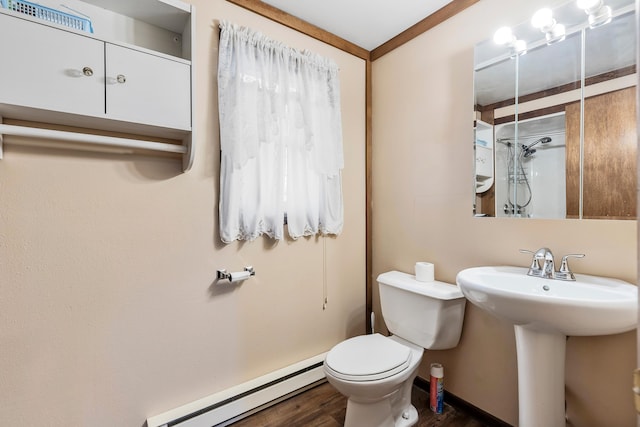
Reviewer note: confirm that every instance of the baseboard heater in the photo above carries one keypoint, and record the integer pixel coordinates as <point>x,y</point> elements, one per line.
<point>228,406</point>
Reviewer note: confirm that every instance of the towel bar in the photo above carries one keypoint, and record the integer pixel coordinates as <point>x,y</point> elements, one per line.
<point>94,140</point>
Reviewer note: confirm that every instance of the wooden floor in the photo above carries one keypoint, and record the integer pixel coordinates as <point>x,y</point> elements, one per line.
<point>323,406</point>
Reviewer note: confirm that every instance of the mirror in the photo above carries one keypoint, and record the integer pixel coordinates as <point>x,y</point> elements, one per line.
<point>555,116</point>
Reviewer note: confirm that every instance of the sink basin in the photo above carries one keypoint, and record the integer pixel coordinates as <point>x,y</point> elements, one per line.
<point>589,306</point>
<point>543,312</point>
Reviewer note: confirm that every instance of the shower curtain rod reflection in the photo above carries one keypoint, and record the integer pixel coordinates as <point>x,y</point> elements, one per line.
<point>533,136</point>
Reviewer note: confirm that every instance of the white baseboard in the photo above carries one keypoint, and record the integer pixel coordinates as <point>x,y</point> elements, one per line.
<point>223,408</point>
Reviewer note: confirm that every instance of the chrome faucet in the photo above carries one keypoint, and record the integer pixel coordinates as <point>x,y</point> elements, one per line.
<point>547,269</point>
<point>542,264</point>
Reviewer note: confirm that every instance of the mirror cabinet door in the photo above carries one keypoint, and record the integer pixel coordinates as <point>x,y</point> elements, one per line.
<point>495,87</point>
<point>609,121</point>
<point>549,81</point>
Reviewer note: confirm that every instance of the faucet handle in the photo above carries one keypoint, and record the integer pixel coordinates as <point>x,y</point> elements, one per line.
<point>535,265</point>
<point>565,273</point>
<point>564,266</point>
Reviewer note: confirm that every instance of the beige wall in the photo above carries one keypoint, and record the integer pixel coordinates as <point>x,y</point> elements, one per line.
<point>422,197</point>
<point>109,312</point>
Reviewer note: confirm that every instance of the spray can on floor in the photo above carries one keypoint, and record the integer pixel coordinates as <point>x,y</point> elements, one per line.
<point>436,386</point>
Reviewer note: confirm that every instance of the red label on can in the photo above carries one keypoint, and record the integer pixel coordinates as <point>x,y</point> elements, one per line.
<point>436,394</point>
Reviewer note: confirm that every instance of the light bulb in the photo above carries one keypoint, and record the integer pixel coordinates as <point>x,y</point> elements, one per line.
<point>519,47</point>
<point>543,19</point>
<point>556,34</point>
<point>600,17</point>
<point>589,5</point>
<point>503,36</point>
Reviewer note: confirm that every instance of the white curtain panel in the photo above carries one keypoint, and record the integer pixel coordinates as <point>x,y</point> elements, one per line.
<point>280,139</point>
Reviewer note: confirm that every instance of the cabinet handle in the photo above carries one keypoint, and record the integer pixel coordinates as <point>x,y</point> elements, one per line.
<point>121,78</point>
<point>87,71</point>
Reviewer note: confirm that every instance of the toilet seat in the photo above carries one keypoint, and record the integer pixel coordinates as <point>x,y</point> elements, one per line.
<point>367,358</point>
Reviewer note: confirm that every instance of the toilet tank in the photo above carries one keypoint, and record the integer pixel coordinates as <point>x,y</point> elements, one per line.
<point>428,314</point>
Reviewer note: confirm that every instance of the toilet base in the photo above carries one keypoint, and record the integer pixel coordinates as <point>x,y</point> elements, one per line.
<point>411,418</point>
<point>378,414</point>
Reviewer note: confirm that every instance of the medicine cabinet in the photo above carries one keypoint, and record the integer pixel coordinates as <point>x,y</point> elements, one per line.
<point>561,102</point>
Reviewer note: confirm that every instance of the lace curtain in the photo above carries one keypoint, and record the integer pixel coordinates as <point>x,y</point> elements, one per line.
<point>280,139</point>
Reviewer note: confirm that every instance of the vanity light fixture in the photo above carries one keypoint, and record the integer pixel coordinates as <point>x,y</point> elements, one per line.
<point>504,36</point>
<point>544,21</point>
<point>599,13</point>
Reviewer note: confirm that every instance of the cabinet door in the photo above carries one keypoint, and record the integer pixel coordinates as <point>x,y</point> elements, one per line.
<point>147,89</point>
<point>42,67</point>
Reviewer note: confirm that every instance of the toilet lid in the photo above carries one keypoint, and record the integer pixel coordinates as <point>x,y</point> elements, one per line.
<point>368,358</point>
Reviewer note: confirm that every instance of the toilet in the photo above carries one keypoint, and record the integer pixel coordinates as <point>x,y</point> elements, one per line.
<point>376,372</point>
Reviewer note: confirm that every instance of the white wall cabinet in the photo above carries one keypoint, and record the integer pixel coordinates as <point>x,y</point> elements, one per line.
<point>133,75</point>
<point>484,156</point>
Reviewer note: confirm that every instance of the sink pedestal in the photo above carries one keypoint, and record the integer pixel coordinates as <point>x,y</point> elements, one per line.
<point>541,358</point>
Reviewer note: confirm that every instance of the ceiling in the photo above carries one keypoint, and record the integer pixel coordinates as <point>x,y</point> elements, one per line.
<point>365,23</point>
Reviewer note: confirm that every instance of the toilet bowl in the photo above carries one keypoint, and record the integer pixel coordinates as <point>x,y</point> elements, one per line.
<point>376,372</point>
<point>371,370</point>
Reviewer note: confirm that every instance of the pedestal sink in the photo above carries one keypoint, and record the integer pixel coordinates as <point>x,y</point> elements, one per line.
<point>544,312</point>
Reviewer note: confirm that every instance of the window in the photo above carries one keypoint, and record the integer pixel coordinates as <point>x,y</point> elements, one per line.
<point>280,139</point>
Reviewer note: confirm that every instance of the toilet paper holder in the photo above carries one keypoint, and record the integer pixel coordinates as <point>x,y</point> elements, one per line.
<point>224,274</point>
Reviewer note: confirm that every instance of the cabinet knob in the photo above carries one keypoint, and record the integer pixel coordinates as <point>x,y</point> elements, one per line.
<point>121,78</point>
<point>87,71</point>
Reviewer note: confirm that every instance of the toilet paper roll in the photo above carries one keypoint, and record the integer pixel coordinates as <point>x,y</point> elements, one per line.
<point>239,276</point>
<point>424,272</point>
